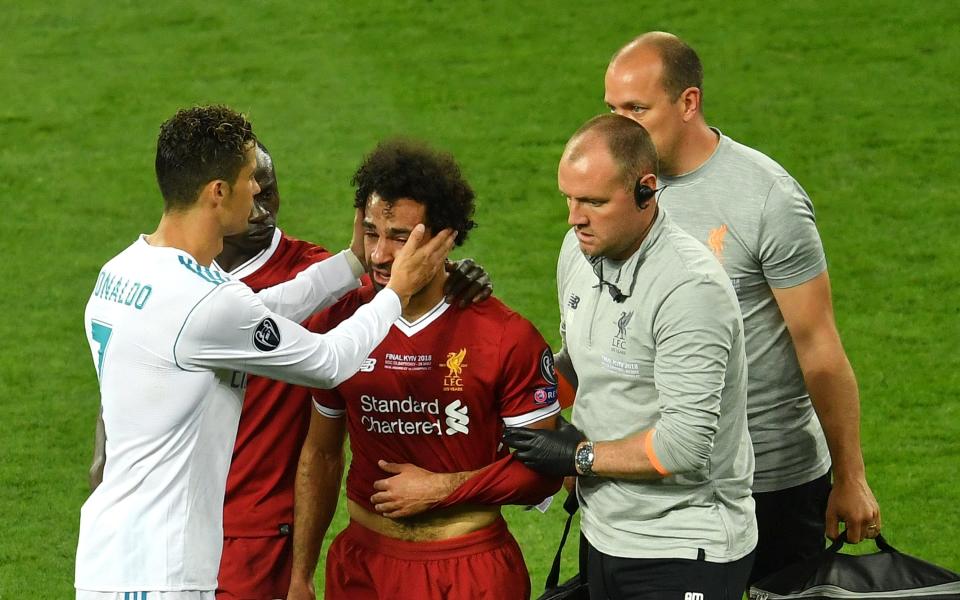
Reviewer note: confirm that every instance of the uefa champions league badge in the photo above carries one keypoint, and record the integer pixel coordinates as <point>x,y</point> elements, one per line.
<point>267,335</point>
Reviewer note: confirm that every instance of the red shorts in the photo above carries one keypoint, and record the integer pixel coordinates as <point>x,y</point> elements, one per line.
<point>485,564</point>
<point>255,568</point>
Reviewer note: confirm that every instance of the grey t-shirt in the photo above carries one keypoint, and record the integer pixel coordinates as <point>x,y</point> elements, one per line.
<point>669,357</point>
<point>759,223</point>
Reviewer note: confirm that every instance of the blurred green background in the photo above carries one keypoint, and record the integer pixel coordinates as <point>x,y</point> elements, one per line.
<point>855,98</point>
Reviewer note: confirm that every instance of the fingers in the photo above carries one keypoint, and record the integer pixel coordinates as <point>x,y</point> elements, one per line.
<point>458,281</point>
<point>486,291</point>
<point>854,532</point>
<point>871,527</point>
<point>414,240</point>
<point>854,504</point>
<point>461,265</point>
<point>385,507</point>
<point>437,248</point>
<point>471,294</point>
<point>390,467</point>
<point>468,281</point>
<point>517,437</point>
<point>380,498</point>
<point>833,526</point>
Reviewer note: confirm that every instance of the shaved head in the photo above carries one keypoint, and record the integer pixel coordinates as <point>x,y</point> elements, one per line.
<point>681,67</point>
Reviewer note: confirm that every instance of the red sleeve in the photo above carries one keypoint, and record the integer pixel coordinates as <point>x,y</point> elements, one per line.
<point>565,391</point>
<point>328,403</point>
<point>506,481</point>
<point>528,383</point>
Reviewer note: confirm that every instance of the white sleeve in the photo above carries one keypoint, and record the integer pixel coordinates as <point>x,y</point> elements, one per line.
<point>232,329</point>
<point>315,288</point>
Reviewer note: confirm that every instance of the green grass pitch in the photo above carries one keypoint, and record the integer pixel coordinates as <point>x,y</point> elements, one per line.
<point>855,98</point>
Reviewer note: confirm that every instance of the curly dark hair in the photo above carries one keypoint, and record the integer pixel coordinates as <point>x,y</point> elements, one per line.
<point>408,169</point>
<point>199,145</point>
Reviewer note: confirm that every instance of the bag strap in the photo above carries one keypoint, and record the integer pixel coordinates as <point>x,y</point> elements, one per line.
<point>838,543</point>
<point>570,505</point>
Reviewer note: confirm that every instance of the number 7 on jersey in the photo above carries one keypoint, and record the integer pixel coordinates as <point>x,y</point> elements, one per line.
<point>100,332</point>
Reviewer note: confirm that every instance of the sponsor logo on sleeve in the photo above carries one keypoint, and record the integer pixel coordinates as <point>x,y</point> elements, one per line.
<point>545,395</point>
<point>267,335</point>
<point>547,370</point>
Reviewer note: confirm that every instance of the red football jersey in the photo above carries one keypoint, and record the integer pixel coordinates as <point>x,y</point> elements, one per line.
<point>437,392</point>
<point>275,416</point>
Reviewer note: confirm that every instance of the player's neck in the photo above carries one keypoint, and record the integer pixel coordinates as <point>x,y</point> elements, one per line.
<point>232,256</point>
<point>184,231</point>
<point>694,149</point>
<point>424,300</point>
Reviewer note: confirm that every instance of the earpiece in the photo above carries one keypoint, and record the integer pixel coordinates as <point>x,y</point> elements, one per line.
<point>642,193</point>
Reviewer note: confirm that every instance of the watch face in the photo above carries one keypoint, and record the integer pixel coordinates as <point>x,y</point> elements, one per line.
<point>585,459</point>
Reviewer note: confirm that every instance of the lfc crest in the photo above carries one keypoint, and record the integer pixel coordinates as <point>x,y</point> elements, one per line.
<point>619,342</point>
<point>453,382</point>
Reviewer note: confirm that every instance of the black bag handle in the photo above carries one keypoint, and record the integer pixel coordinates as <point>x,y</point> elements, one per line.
<point>570,505</point>
<point>838,543</point>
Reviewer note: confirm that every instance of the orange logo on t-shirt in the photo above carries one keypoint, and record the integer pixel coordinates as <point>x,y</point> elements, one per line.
<point>715,241</point>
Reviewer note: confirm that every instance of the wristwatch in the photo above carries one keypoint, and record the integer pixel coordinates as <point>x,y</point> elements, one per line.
<point>583,458</point>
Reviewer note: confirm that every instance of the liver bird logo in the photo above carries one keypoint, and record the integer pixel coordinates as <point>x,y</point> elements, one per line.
<point>622,323</point>
<point>455,362</point>
<point>715,241</point>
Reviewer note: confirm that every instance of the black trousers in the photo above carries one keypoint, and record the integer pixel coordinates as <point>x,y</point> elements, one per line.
<point>791,525</point>
<point>615,578</point>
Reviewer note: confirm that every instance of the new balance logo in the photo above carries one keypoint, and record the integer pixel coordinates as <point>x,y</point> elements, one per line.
<point>692,596</point>
<point>573,301</point>
<point>368,365</point>
<point>457,419</point>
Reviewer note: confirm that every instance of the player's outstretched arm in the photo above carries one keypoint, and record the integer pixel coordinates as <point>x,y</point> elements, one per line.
<point>317,490</point>
<point>315,288</point>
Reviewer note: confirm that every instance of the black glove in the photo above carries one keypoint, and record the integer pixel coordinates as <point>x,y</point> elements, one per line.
<point>550,452</point>
<point>467,281</point>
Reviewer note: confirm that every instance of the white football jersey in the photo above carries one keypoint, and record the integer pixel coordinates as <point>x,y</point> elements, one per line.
<point>172,342</point>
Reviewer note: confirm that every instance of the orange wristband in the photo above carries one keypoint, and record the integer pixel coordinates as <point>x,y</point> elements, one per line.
<point>652,456</point>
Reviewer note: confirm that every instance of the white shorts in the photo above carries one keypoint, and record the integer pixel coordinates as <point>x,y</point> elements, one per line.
<point>190,595</point>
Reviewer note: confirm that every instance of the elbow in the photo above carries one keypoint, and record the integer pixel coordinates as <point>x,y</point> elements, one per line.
<point>95,475</point>
<point>686,452</point>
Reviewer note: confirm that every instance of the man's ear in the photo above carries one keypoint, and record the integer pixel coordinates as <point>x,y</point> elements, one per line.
<point>214,192</point>
<point>690,100</point>
<point>649,180</point>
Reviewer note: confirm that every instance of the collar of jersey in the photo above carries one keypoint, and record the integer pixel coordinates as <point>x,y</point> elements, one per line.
<point>253,265</point>
<point>410,329</point>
